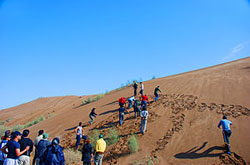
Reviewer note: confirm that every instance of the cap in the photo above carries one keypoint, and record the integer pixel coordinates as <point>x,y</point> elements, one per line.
<point>17,133</point>
<point>100,136</point>
<point>45,135</point>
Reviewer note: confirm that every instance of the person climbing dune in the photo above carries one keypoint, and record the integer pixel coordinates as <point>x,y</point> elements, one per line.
<point>135,85</point>
<point>122,102</point>
<point>130,101</point>
<point>156,93</point>
<point>142,88</point>
<point>226,131</point>
<point>144,101</point>
<point>92,116</point>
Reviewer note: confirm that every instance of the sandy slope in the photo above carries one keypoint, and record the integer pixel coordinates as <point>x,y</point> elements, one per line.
<point>190,94</point>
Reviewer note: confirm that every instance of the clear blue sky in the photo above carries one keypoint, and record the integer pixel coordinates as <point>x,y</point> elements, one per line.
<point>81,47</point>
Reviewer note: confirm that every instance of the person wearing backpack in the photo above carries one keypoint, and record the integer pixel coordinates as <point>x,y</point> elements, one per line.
<point>144,101</point>
<point>53,154</point>
<point>87,152</point>
<point>41,147</point>
<point>122,102</point>
<point>135,85</point>
<point>136,107</point>
<point>4,141</point>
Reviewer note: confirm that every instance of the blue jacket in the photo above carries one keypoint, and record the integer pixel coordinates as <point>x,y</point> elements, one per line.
<point>87,150</point>
<point>53,156</point>
<point>42,146</point>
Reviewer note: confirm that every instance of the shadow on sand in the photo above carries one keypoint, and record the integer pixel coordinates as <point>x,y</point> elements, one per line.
<point>192,154</point>
<point>107,112</point>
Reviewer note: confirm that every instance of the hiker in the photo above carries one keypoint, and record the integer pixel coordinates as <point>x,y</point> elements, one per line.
<point>99,149</point>
<point>92,116</point>
<point>136,107</point>
<point>144,117</point>
<point>7,133</point>
<point>41,147</point>
<point>130,101</point>
<point>13,150</point>
<point>121,115</point>
<point>142,88</point>
<point>144,101</point>
<point>87,152</point>
<point>226,132</point>
<point>24,142</point>
<point>156,93</point>
<point>36,141</point>
<point>135,85</point>
<point>4,141</point>
<point>79,134</point>
<point>122,102</point>
<point>53,154</point>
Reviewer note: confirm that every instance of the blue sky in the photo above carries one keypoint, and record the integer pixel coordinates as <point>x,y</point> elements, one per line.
<point>81,47</point>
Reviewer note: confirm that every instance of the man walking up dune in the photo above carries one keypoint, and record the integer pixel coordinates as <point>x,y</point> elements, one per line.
<point>226,132</point>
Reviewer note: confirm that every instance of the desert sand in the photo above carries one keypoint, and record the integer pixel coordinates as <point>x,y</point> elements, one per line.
<point>182,125</point>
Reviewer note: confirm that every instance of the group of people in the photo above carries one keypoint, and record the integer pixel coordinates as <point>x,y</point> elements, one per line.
<point>87,150</point>
<point>17,147</point>
<point>140,106</point>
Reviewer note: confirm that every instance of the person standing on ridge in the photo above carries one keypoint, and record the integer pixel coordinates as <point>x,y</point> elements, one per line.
<point>87,152</point>
<point>144,117</point>
<point>79,134</point>
<point>156,93</point>
<point>144,101</point>
<point>36,141</point>
<point>24,142</point>
<point>122,102</point>
<point>142,88</point>
<point>13,151</point>
<point>135,85</point>
<point>100,149</point>
<point>92,116</point>
<point>130,101</point>
<point>226,132</point>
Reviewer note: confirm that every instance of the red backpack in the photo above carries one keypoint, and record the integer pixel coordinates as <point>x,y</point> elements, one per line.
<point>122,100</point>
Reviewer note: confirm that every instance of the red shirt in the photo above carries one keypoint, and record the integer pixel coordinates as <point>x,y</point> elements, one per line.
<point>144,98</point>
<point>122,100</point>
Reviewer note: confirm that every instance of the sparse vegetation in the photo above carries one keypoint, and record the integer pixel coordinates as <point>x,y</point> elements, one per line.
<point>20,126</point>
<point>50,115</point>
<point>90,100</point>
<point>112,137</point>
<point>153,77</point>
<point>72,156</point>
<point>94,136</point>
<point>133,144</point>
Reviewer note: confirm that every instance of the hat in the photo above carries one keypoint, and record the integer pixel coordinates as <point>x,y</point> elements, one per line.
<point>56,141</point>
<point>7,133</point>
<point>17,133</point>
<point>100,136</point>
<point>45,136</point>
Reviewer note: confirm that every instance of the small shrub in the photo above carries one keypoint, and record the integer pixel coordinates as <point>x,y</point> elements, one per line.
<point>133,144</point>
<point>90,100</point>
<point>50,115</point>
<point>3,129</point>
<point>94,136</point>
<point>72,156</point>
<point>153,77</point>
<point>2,122</point>
<point>17,128</point>
<point>112,137</point>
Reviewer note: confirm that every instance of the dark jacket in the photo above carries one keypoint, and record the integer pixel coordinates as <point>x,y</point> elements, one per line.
<point>87,150</point>
<point>41,147</point>
<point>53,156</point>
<point>24,142</point>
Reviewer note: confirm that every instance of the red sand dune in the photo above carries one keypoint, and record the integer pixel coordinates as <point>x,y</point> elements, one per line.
<point>182,127</point>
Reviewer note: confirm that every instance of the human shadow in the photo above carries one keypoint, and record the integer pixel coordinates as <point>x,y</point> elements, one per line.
<point>192,154</point>
<point>247,68</point>
<point>111,103</point>
<point>73,128</point>
<point>107,112</point>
